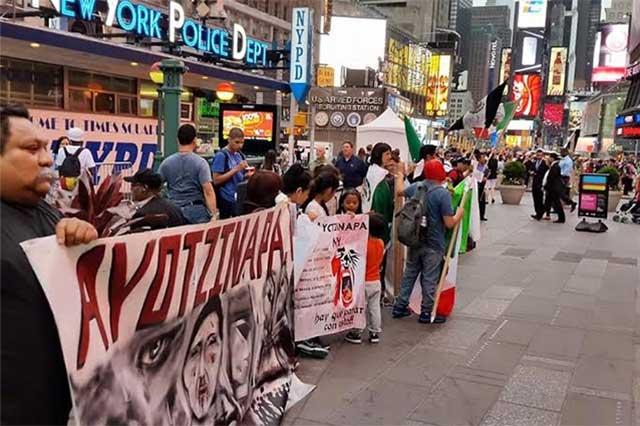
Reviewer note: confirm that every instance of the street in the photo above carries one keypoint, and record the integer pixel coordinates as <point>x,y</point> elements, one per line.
<point>544,332</point>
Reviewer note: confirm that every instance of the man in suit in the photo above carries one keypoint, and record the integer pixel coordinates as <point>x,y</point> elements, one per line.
<point>554,188</point>
<point>539,168</point>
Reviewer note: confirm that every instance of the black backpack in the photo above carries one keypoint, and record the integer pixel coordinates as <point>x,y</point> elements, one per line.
<point>71,166</point>
<point>412,220</point>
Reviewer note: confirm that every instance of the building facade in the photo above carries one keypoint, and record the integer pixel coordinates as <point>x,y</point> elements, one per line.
<point>620,11</point>
<point>588,23</point>
<point>459,104</point>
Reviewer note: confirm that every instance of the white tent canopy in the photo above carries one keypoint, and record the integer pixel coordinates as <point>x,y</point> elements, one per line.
<point>388,128</point>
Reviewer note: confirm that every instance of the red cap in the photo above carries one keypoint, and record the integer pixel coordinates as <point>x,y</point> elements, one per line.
<point>434,170</point>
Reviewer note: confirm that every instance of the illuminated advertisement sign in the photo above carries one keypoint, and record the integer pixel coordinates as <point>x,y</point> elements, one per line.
<point>634,33</point>
<point>576,111</point>
<point>438,85</point>
<point>526,92</point>
<point>407,67</point>
<point>532,14</point>
<point>144,21</point>
<point>553,114</point>
<point>610,53</point>
<point>259,123</point>
<point>301,56</point>
<point>505,64</point>
<point>530,50</point>
<point>557,72</point>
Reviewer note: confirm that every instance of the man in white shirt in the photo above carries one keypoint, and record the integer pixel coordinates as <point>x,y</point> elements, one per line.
<point>76,137</point>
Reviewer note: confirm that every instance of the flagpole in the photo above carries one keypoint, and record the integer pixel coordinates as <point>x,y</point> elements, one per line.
<point>447,259</point>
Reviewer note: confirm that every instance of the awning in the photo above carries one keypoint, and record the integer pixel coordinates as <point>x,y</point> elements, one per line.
<point>100,52</point>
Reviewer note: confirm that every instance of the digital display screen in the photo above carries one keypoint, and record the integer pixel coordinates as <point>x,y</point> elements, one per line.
<point>526,93</point>
<point>258,122</point>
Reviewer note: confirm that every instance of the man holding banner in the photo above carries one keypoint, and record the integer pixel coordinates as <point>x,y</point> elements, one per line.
<point>428,260</point>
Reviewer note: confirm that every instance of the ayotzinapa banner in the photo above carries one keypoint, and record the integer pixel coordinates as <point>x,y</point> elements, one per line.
<point>331,256</point>
<point>183,326</point>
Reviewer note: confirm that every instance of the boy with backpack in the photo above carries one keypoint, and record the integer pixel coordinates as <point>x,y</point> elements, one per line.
<point>421,225</point>
<point>73,159</point>
<point>229,171</point>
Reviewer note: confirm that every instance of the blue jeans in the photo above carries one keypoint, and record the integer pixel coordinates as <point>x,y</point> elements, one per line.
<point>427,263</point>
<point>197,213</point>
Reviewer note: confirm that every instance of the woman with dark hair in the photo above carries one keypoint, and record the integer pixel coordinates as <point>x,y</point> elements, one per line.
<point>296,183</point>
<point>262,189</point>
<point>270,162</point>
<point>323,189</point>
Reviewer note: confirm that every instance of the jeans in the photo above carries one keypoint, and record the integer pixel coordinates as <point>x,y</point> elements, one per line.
<point>196,213</point>
<point>427,263</point>
<point>372,291</point>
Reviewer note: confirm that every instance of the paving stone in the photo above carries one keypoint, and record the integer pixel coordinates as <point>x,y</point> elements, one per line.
<point>563,256</point>
<point>576,300</point>
<point>608,345</point>
<point>383,403</point>
<point>531,308</point>
<point>558,342</point>
<point>617,292</point>
<point>486,308</point>
<point>423,367</point>
<point>537,387</point>
<point>582,410</point>
<point>613,316</point>
<point>502,292</point>
<point>517,252</point>
<point>591,268</point>
<point>514,331</point>
<point>583,284</point>
<point>457,402</point>
<point>598,254</point>
<point>332,393</point>
<point>457,334</point>
<point>496,356</point>
<point>612,375</point>
<point>624,260</point>
<point>506,414</point>
<point>572,317</point>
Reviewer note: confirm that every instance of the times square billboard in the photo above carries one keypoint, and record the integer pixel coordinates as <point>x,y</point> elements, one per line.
<point>610,53</point>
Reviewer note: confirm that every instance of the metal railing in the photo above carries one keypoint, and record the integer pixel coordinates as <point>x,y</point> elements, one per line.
<point>123,168</point>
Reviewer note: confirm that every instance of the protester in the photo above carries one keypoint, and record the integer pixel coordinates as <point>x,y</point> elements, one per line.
<point>628,176</point>
<point>362,155</point>
<point>229,170</point>
<point>75,148</point>
<point>460,170</point>
<point>270,162</point>
<point>145,190</point>
<point>352,168</point>
<point>492,178</point>
<point>296,184</point>
<point>540,169</point>
<point>554,187</point>
<point>35,387</point>
<point>323,189</point>
<point>262,189</point>
<point>372,285</point>
<point>188,179</point>
<point>427,260</point>
<point>427,153</point>
<point>566,171</point>
<point>321,159</point>
<point>480,173</point>
<point>350,202</point>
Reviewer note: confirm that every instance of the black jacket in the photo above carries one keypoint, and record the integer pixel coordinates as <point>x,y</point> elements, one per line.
<point>554,185</point>
<point>538,173</point>
<point>161,206</point>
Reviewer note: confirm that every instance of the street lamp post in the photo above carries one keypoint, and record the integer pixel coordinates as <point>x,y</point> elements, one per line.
<point>169,108</point>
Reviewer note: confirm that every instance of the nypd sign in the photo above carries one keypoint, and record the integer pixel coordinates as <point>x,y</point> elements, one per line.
<point>301,55</point>
<point>144,21</point>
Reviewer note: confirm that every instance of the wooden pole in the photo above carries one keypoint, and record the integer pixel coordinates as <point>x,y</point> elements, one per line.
<point>447,259</point>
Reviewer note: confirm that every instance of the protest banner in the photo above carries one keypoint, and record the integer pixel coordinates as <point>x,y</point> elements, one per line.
<point>182,326</point>
<point>329,294</point>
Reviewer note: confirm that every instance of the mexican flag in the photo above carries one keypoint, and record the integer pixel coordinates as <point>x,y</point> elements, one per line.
<point>412,139</point>
<point>483,116</point>
<point>469,226</point>
<point>374,187</point>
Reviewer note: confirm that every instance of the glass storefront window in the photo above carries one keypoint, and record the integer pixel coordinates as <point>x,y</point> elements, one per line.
<point>148,107</point>
<point>31,83</point>
<point>80,100</point>
<point>127,105</point>
<point>105,102</point>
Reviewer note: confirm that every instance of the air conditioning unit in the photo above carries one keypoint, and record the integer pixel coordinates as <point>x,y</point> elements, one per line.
<point>359,78</point>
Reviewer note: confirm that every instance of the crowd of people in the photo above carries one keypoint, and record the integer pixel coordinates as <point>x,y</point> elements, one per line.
<point>188,189</point>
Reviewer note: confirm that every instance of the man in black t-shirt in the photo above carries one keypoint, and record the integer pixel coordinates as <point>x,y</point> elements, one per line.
<point>34,379</point>
<point>145,188</point>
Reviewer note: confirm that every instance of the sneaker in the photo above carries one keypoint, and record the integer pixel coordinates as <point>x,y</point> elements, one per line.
<point>400,313</point>
<point>318,342</point>
<point>312,350</point>
<point>353,337</point>
<point>374,338</point>
<point>426,319</point>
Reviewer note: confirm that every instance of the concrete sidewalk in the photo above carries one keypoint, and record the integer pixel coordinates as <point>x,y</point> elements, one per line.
<point>545,331</point>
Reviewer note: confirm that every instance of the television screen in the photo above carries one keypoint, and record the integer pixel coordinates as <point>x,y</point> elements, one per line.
<point>258,123</point>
